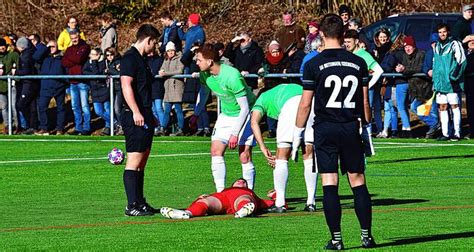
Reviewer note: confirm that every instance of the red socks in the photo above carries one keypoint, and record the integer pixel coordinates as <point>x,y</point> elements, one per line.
<point>198,209</point>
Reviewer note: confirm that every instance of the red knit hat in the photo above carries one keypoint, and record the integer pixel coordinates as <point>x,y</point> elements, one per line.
<point>409,40</point>
<point>194,18</point>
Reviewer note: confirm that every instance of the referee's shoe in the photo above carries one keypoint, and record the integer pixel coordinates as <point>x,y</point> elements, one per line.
<point>139,210</point>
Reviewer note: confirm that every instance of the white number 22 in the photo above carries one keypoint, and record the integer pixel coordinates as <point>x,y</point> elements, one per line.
<point>338,84</point>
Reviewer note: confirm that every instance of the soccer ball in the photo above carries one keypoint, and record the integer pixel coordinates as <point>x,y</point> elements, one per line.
<point>116,156</point>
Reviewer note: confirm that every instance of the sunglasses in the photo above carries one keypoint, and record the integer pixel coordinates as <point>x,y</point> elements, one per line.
<point>108,54</point>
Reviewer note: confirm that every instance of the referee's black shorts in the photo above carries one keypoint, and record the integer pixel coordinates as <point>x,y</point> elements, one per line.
<point>138,139</point>
<point>339,141</point>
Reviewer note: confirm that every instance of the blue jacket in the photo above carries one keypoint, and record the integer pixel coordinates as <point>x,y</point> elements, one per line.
<point>171,33</point>
<point>52,66</point>
<point>306,58</point>
<point>428,63</point>
<point>193,35</point>
<point>41,53</point>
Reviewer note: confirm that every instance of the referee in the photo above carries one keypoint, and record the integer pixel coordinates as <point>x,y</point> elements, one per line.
<point>137,117</point>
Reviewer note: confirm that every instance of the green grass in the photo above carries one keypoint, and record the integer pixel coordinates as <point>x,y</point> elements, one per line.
<point>422,192</point>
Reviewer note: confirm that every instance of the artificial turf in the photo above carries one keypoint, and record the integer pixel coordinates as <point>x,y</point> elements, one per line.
<point>61,194</point>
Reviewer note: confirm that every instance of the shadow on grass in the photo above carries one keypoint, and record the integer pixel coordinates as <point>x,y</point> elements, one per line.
<point>375,202</point>
<point>420,159</point>
<point>426,238</point>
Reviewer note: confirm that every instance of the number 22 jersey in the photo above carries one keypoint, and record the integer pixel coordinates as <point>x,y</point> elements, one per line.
<point>336,77</point>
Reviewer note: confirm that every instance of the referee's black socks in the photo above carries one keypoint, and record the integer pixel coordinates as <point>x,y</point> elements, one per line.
<point>131,182</point>
<point>141,177</point>
<point>363,209</point>
<point>332,211</point>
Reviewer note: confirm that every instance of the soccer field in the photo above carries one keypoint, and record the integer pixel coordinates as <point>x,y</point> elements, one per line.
<point>61,193</point>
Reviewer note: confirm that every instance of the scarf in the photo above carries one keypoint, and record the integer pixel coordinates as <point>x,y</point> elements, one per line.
<point>245,48</point>
<point>274,60</point>
<point>383,50</point>
<point>312,36</point>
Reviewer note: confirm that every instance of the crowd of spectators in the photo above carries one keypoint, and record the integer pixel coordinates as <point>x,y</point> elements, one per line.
<point>436,98</point>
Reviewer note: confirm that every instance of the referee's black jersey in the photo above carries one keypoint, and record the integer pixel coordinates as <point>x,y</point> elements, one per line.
<point>134,65</point>
<point>336,77</point>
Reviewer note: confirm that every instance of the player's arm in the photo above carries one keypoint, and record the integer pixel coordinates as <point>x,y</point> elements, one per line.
<point>255,124</point>
<point>304,108</point>
<point>377,71</point>
<point>130,99</point>
<point>239,123</point>
<point>367,111</point>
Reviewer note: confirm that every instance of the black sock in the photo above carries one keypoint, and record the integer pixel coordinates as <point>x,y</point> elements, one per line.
<point>130,182</point>
<point>332,211</point>
<point>141,176</point>
<point>363,209</point>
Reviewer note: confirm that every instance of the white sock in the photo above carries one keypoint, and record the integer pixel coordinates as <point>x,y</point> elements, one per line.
<point>280,177</point>
<point>444,118</point>
<point>310,179</point>
<point>457,121</point>
<point>218,172</point>
<point>248,173</point>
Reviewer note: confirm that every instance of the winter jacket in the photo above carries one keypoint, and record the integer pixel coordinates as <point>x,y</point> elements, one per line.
<point>109,37</point>
<point>448,66</point>
<point>291,34</point>
<point>428,62</point>
<point>157,87</point>
<point>112,68</point>
<point>192,85</point>
<point>418,87</point>
<point>461,29</point>
<point>295,61</point>
<point>64,40</point>
<point>249,61</point>
<point>193,34</point>
<point>8,59</point>
<point>75,57</point>
<point>170,33</point>
<point>52,66</point>
<point>390,61</point>
<point>269,68</point>
<point>99,88</point>
<point>174,88</point>
<point>469,77</point>
<point>26,66</point>
<point>41,53</point>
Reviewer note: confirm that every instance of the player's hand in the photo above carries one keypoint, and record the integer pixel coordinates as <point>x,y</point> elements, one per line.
<point>430,73</point>
<point>138,119</point>
<point>268,155</point>
<point>244,73</point>
<point>233,142</point>
<point>297,138</point>
<point>195,75</point>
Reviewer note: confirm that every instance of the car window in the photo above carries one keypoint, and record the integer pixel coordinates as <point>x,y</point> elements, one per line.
<point>420,29</point>
<point>391,24</point>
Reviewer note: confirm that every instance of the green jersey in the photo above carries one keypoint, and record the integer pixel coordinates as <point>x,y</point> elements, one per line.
<point>369,60</point>
<point>228,85</point>
<point>271,101</point>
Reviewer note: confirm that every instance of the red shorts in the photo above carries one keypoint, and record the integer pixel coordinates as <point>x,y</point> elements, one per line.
<point>230,195</point>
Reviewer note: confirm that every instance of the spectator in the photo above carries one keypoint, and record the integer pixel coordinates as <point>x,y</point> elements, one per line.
<point>462,28</point>
<point>74,58</point>
<point>7,60</point>
<point>469,87</point>
<point>100,90</point>
<point>345,12</point>
<point>155,62</point>
<point>276,61</point>
<point>170,32</point>
<point>316,48</point>
<point>174,88</point>
<point>41,50</point>
<point>64,39</point>
<point>295,59</point>
<point>448,69</point>
<point>112,63</point>
<point>108,33</point>
<point>221,49</point>
<point>28,90</point>
<point>290,33</point>
<point>192,90</point>
<point>246,55</point>
<point>52,88</point>
<point>194,34</point>
<point>428,70</point>
<point>313,33</point>
<point>382,48</point>
<point>356,24</point>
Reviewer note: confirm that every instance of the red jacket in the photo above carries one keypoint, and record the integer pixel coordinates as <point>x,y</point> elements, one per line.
<point>75,57</point>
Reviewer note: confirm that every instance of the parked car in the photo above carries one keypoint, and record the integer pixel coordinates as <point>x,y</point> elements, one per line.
<point>420,25</point>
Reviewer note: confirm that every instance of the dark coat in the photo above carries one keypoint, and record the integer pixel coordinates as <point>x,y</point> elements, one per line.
<point>275,68</point>
<point>99,89</point>
<point>249,61</point>
<point>113,69</point>
<point>41,53</point>
<point>52,66</point>
<point>295,61</point>
<point>157,87</point>
<point>171,35</point>
<point>420,88</point>
<point>75,57</point>
<point>26,66</point>
<point>191,86</point>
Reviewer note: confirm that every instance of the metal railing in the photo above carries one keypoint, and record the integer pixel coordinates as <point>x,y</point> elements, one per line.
<point>109,78</point>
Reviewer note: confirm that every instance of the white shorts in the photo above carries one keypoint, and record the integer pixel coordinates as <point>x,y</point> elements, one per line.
<point>287,120</point>
<point>223,130</point>
<point>451,98</point>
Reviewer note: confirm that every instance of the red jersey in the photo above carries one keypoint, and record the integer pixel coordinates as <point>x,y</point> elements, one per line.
<point>229,195</point>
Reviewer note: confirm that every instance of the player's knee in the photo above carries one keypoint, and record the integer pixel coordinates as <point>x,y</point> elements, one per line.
<point>245,157</point>
<point>356,179</point>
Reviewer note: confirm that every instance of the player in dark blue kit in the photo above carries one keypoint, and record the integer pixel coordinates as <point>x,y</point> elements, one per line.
<point>341,107</point>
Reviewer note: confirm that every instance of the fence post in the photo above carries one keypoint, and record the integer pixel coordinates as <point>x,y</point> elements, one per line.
<point>112,112</point>
<point>10,106</point>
